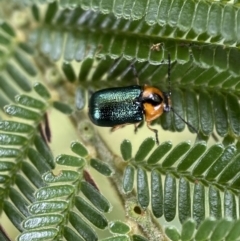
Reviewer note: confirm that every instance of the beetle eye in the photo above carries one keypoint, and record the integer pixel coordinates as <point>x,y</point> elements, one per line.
<point>157,99</point>
<point>153,99</point>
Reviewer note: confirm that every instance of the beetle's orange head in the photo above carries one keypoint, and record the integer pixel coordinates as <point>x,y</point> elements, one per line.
<point>155,102</point>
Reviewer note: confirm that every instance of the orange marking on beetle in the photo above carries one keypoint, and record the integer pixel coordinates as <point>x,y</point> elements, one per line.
<point>152,112</point>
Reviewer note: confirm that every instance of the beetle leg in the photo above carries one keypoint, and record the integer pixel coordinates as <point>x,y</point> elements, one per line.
<point>117,127</point>
<point>154,130</point>
<point>136,127</point>
<point>135,73</point>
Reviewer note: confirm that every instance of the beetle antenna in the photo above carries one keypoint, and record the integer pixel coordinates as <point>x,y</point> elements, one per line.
<point>187,123</point>
<point>169,74</point>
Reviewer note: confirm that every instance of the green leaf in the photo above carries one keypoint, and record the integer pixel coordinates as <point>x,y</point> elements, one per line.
<point>25,187</point>
<point>101,167</point>
<point>43,234</point>
<point>144,149</point>
<point>13,126</point>
<point>56,50</point>
<point>196,151</point>
<point>82,227</point>
<point>42,91</point>
<point>126,150</point>
<point>159,152</point>
<point>138,238</point>
<point>178,151</point>
<point>102,68</point>
<point>4,40</point>
<point>192,109</point>
<point>10,139</point>
<point>220,113</point>
<point>21,112</point>
<point>19,201</point>
<point>156,193</point>
<point>230,170</point>
<point>30,102</point>
<point>44,149</point>
<point>69,71</point>
<point>117,238</point>
<point>198,203</point>
<point>128,179</point>
<point>142,188</point>
<point>178,25</point>
<point>221,230</point>
<point>64,176</point>
<point>184,200</point>
<point>8,89</point>
<point>26,48</point>
<point>69,234</point>
<point>8,29</point>
<point>205,111</point>
<point>215,203</point>
<point>3,101</point>
<point>205,229</point>
<point>25,63</point>
<point>42,221</point>
<point>119,227</point>
<point>79,149</point>
<point>51,11</point>
<point>94,216</point>
<point>221,162</point>
<point>4,179</point>
<point>85,68</point>
<point>32,174</point>
<point>68,160</point>
<point>69,52</point>
<point>13,214</point>
<point>188,230</point>
<point>80,98</point>
<point>62,107</point>
<point>172,233</point>
<point>18,77</point>
<point>56,191</point>
<point>9,152</point>
<point>234,234</point>
<point>233,113</point>
<point>96,198</point>
<point>48,207</point>
<point>38,161</point>
<point>6,166</point>
<point>177,102</point>
<point>206,161</point>
<point>170,198</point>
<point>228,140</point>
<point>230,207</point>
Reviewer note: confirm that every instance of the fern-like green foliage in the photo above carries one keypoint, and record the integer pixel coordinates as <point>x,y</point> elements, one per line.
<point>52,53</point>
